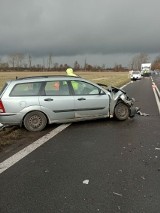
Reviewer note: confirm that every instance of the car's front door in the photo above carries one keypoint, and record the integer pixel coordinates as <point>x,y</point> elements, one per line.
<point>90,101</point>
<point>57,101</point>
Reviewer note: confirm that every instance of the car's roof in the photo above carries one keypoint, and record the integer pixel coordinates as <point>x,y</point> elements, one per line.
<point>47,76</point>
<point>34,79</point>
<point>44,77</point>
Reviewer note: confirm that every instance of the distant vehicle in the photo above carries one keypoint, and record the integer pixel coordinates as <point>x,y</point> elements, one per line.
<point>136,75</point>
<point>146,69</point>
<point>156,72</point>
<point>34,102</point>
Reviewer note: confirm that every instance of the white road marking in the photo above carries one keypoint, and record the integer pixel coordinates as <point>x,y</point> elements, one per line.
<point>156,94</point>
<point>27,150</point>
<point>125,85</point>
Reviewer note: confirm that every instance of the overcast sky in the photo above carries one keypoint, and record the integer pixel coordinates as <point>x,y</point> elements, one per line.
<point>100,31</point>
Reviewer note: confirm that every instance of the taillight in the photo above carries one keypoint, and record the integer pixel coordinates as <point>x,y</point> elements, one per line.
<point>2,110</point>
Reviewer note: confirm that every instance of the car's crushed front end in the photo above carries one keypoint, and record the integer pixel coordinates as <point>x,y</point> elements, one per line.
<point>130,102</point>
<point>120,95</point>
<point>119,99</point>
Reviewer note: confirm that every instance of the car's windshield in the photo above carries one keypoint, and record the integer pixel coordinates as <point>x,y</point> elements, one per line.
<point>136,72</point>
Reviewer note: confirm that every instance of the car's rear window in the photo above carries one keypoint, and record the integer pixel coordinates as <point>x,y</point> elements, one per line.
<point>56,88</point>
<point>26,89</point>
<point>50,88</point>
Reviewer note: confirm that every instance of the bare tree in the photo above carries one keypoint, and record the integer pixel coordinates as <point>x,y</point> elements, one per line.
<point>50,61</point>
<point>156,63</point>
<point>56,66</point>
<point>30,61</point>
<point>19,59</point>
<point>16,59</point>
<point>43,67</point>
<point>76,65</point>
<point>138,60</point>
<point>3,65</point>
<point>11,59</point>
<point>85,64</point>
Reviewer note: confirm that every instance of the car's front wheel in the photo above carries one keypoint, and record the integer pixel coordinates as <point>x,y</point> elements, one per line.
<point>121,111</point>
<point>35,121</point>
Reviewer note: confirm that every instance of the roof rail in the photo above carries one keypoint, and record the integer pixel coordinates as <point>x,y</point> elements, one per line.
<point>44,76</point>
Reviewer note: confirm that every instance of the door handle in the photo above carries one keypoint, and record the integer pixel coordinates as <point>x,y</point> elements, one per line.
<point>48,99</point>
<point>81,99</point>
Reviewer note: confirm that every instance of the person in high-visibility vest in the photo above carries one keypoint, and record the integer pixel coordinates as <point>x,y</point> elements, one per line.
<point>69,71</point>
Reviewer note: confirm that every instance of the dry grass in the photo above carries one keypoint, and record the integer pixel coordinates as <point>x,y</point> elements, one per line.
<point>11,135</point>
<point>109,78</point>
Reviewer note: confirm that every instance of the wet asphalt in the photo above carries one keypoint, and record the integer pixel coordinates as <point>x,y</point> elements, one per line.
<point>97,166</point>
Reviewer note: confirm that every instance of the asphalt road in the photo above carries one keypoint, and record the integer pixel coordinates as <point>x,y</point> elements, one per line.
<point>98,166</point>
<point>156,79</point>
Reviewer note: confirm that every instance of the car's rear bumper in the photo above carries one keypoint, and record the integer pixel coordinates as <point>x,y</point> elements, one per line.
<point>10,119</point>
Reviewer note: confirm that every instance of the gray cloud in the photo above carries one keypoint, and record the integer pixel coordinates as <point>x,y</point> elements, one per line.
<point>70,28</point>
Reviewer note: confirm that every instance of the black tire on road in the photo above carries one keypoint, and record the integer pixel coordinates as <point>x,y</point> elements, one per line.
<point>121,111</point>
<point>35,121</point>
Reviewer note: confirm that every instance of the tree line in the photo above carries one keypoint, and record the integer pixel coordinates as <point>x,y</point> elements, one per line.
<point>22,62</point>
<point>141,58</point>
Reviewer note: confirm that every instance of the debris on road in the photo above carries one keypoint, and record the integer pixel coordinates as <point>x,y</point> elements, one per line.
<point>3,127</point>
<point>142,113</point>
<point>115,193</point>
<point>143,177</point>
<point>86,182</point>
<point>157,148</point>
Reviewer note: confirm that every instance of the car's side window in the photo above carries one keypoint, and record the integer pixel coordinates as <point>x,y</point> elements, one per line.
<point>56,88</point>
<point>26,89</point>
<point>84,88</point>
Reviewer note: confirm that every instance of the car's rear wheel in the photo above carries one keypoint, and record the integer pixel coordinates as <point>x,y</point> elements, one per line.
<point>121,111</point>
<point>35,121</point>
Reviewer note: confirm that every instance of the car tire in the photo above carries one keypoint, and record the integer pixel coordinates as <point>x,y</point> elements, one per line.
<point>35,121</point>
<point>121,111</point>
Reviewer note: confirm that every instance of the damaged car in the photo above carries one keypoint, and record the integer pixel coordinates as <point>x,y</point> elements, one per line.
<point>34,102</point>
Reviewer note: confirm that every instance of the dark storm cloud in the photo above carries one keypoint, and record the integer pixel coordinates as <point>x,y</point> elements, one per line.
<point>73,27</point>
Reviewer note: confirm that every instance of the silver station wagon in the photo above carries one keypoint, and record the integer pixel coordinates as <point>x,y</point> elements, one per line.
<point>34,102</point>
